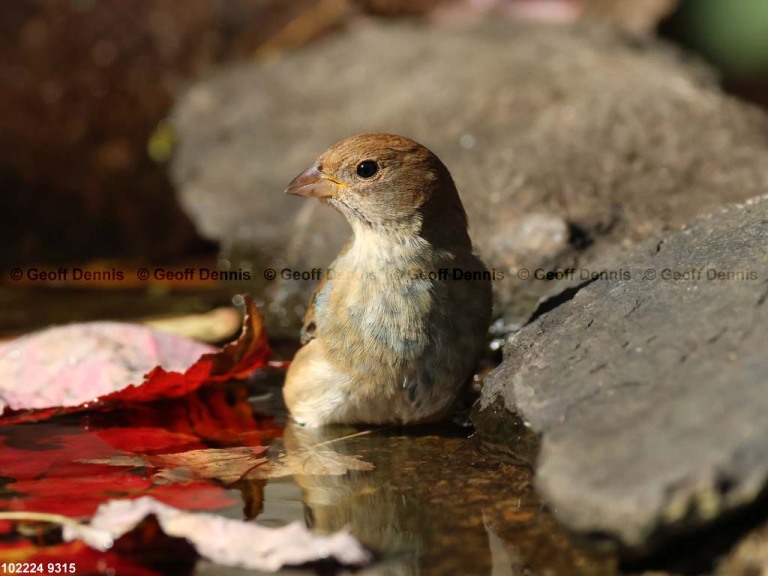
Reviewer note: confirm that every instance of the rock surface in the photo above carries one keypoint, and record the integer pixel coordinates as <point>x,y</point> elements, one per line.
<point>650,386</point>
<point>568,144</point>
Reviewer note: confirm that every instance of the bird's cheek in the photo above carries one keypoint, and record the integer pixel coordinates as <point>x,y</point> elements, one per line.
<point>350,198</point>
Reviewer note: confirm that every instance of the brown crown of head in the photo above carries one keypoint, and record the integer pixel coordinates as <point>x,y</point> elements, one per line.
<point>388,183</point>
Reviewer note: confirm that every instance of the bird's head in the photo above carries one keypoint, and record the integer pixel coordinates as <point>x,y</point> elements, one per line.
<point>385,183</point>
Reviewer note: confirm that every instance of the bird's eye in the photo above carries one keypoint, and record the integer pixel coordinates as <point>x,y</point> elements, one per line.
<point>367,168</point>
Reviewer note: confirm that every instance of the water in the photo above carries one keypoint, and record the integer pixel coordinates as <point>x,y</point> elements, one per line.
<point>435,501</point>
<point>426,500</point>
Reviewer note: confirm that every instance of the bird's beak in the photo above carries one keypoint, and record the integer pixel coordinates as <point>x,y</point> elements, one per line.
<point>314,183</point>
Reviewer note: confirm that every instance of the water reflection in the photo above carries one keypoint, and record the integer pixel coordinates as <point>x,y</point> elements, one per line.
<point>382,514</point>
<point>434,504</point>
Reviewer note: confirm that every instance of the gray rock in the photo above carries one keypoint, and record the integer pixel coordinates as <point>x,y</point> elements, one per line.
<point>649,387</point>
<point>568,144</point>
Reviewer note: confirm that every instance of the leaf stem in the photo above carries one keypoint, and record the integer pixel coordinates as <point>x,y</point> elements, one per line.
<point>39,517</point>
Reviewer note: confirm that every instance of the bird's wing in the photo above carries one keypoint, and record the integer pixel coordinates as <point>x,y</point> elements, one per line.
<point>309,328</point>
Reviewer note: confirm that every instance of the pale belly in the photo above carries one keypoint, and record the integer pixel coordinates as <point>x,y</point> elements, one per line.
<point>397,358</point>
<point>388,348</point>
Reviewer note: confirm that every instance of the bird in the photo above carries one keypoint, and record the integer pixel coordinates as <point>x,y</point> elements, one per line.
<point>398,321</point>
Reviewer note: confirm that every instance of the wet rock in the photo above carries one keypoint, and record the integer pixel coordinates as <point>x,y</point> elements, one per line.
<point>649,387</point>
<point>568,143</point>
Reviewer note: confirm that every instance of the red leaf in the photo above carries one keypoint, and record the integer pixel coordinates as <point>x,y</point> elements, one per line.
<point>95,366</point>
<point>221,414</point>
<point>149,440</point>
<point>49,475</point>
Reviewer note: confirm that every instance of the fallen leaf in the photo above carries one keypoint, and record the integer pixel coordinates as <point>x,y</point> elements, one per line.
<point>221,540</point>
<point>97,365</point>
<point>219,414</point>
<point>71,468</point>
<point>310,462</point>
<point>225,465</point>
<point>149,439</point>
<point>46,474</point>
<point>69,365</point>
<point>228,465</point>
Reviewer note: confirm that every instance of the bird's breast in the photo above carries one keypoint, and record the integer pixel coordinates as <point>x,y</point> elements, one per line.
<point>378,304</point>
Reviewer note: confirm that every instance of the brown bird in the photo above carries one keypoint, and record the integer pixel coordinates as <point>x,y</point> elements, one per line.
<point>398,322</point>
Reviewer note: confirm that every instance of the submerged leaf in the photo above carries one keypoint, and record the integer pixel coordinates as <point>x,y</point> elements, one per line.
<point>227,465</point>
<point>310,462</point>
<point>72,468</point>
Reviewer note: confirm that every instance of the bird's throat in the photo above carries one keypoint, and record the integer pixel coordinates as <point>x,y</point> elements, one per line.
<point>387,253</point>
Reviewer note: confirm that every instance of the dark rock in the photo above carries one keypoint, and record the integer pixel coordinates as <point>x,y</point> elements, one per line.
<point>568,144</point>
<point>650,386</point>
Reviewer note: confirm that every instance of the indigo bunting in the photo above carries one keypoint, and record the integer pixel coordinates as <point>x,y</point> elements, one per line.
<point>398,322</point>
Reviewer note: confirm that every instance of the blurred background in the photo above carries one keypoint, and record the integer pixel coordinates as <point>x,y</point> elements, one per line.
<point>86,87</point>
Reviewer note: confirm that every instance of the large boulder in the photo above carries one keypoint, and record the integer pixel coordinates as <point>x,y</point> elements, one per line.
<point>568,144</point>
<point>649,386</point>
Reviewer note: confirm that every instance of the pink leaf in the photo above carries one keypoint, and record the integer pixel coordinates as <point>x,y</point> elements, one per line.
<point>71,365</point>
<point>100,365</point>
